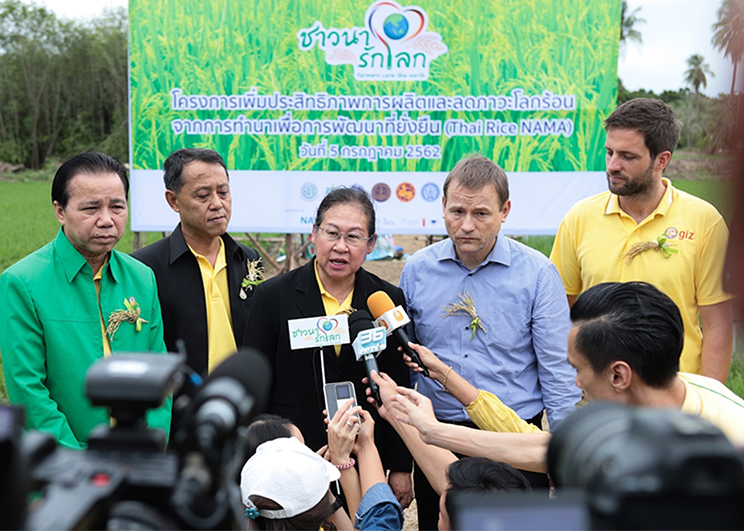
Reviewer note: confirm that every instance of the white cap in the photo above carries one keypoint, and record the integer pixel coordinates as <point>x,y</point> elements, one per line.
<point>289,473</point>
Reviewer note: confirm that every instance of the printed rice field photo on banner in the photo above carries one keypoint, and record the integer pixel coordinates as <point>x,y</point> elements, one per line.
<point>300,96</point>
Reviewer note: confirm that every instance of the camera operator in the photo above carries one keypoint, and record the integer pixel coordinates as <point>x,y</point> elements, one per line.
<point>625,344</point>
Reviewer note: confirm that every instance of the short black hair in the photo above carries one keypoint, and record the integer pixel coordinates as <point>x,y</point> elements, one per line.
<point>478,474</point>
<point>632,322</point>
<point>265,427</point>
<point>343,195</point>
<point>88,163</point>
<point>654,118</point>
<point>173,165</point>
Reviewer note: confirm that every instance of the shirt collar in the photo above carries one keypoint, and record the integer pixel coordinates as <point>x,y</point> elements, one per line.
<point>73,262</point>
<point>219,263</point>
<point>500,254</point>
<point>613,205</point>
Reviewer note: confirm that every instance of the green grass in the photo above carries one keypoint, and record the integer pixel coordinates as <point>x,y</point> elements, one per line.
<point>544,244</point>
<point>735,380</point>
<point>717,193</point>
<point>28,221</point>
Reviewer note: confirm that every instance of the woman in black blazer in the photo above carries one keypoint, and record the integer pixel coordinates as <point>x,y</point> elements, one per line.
<point>344,233</point>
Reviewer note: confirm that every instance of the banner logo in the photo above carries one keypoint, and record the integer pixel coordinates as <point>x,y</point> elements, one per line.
<point>405,192</point>
<point>381,192</point>
<point>392,46</point>
<point>318,331</point>
<point>430,192</point>
<point>309,191</point>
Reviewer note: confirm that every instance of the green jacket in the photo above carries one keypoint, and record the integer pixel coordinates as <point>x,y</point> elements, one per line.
<point>50,333</point>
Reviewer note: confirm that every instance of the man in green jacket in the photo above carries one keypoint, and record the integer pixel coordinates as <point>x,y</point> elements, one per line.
<point>75,301</point>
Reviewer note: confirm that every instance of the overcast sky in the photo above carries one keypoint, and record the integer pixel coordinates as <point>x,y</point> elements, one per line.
<point>673,30</point>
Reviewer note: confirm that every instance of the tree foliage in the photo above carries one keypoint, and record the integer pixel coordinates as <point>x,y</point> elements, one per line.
<point>629,23</point>
<point>728,36</point>
<point>63,85</point>
<point>696,74</point>
<point>728,33</point>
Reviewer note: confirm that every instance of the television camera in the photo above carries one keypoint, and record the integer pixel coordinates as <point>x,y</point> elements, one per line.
<point>125,478</point>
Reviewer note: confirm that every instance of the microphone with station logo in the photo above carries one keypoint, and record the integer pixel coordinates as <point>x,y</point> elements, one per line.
<point>393,319</point>
<point>367,342</point>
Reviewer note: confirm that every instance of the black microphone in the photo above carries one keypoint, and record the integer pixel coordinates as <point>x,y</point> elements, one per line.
<point>394,318</point>
<point>232,394</point>
<point>367,342</point>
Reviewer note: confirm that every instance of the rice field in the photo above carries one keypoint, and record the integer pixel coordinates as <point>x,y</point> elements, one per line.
<point>224,47</point>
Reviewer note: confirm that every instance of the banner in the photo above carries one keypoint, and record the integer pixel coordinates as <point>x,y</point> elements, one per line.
<point>303,96</point>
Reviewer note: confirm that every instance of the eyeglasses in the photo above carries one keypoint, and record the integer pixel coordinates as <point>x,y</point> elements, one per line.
<point>352,239</point>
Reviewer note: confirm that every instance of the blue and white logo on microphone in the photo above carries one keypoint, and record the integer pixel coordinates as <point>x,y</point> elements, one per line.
<point>370,341</point>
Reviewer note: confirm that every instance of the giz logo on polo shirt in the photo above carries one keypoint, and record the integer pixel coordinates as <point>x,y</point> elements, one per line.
<point>671,233</point>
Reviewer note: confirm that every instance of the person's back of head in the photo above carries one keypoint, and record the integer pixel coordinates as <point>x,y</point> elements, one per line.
<point>633,322</point>
<point>266,427</point>
<point>478,475</point>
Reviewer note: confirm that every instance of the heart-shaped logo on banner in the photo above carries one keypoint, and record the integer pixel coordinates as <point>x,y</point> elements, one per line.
<point>391,23</point>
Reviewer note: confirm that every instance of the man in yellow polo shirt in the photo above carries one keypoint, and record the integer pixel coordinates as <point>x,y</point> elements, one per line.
<point>199,268</point>
<point>645,229</point>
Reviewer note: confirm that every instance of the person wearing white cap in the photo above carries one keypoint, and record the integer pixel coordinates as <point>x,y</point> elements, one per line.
<point>286,486</point>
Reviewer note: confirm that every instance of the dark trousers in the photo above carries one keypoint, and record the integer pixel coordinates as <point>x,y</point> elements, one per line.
<point>427,500</point>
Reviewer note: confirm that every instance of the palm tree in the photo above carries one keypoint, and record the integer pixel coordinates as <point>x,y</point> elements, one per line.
<point>728,33</point>
<point>628,23</point>
<point>728,36</point>
<point>695,76</point>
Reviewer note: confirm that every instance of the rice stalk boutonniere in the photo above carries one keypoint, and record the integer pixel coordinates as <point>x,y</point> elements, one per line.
<point>467,306</point>
<point>254,277</point>
<point>659,245</point>
<point>131,314</point>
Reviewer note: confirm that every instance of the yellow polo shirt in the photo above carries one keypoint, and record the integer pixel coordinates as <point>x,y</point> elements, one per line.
<point>596,233</point>
<point>711,400</point>
<point>705,397</point>
<point>217,297</point>
<point>331,305</point>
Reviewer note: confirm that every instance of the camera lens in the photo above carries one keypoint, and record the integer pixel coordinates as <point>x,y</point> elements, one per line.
<point>585,441</point>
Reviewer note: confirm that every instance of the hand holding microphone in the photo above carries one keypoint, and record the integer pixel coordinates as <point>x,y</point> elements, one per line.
<point>394,318</point>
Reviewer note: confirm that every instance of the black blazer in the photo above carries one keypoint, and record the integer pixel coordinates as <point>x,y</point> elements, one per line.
<point>297,392</point>
<point>181,293</point>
